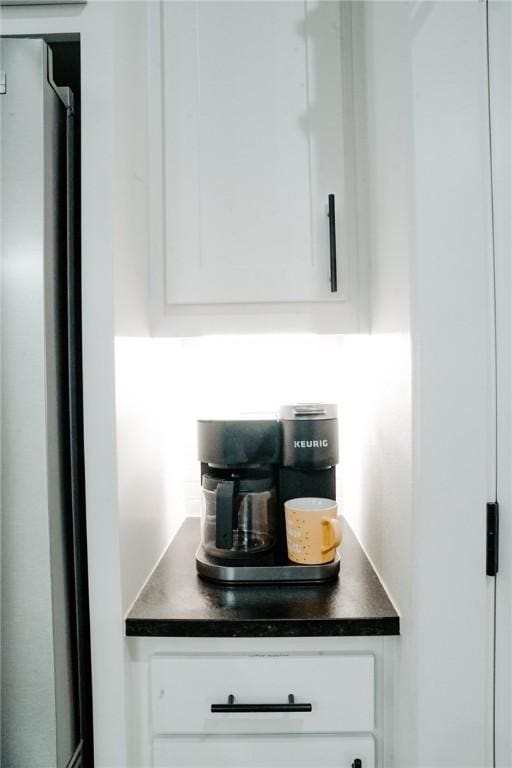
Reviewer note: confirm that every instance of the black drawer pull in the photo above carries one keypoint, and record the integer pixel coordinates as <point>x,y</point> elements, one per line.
<point>332,245</point>
<point>357,763</point>
<point>290,707</point>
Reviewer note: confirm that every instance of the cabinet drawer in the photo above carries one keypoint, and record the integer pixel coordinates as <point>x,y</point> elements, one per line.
<point>339,687</point>
<point>263,752</point>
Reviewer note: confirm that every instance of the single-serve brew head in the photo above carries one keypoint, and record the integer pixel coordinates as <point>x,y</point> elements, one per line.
<point>309,435</point>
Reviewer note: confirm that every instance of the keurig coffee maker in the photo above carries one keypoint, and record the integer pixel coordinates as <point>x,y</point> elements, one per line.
<point>249,468</point>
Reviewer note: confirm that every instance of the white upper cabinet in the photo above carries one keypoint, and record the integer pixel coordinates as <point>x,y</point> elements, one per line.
<point>251,99</point>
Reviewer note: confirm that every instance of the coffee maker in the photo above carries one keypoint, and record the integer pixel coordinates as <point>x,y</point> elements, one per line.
<point>249,468</point>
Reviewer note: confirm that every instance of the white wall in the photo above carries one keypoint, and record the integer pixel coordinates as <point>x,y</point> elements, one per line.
<point>428,243</point>
<point>164,385</point>
<point>96,27</point>
<point>386,213</point>
<point>147,516</point>
<point>235,374</point>
<point>150,503</point>
<point>453,449</point>
<point>131,149</point>
<point>150,472</point>
<point>386,210</point>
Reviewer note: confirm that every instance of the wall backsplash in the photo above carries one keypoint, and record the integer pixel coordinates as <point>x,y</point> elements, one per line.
<point>164,385</point>
<point>229,375</point>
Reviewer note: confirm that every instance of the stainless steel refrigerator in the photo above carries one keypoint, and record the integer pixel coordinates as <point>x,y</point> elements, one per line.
<point>45,649</point>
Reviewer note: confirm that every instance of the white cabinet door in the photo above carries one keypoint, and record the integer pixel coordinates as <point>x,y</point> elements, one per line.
<point>339,688</point>
<point>252,147</point>
<point>264,752</point>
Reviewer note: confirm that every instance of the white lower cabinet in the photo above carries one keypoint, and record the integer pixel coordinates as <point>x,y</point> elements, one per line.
<point>264,752</point>
<point>337,688</point>
<point>306,702</point>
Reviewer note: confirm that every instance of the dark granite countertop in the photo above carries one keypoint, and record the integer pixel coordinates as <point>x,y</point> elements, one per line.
<point>176,602</point>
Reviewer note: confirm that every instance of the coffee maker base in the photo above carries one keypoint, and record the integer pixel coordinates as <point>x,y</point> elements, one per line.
<point>273,570</point>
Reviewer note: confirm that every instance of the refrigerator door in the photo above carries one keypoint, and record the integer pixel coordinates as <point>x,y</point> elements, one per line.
<point>40,712</point>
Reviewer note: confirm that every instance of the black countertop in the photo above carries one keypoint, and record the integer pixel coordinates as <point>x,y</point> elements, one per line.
<point>176,602</point>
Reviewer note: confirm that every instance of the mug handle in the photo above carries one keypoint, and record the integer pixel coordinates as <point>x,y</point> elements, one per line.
<point>334,526</point>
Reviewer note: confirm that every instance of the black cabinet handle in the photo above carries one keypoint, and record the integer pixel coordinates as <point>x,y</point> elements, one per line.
<point>332,243</point>
<point>357,763</point>
<point>290,707</point>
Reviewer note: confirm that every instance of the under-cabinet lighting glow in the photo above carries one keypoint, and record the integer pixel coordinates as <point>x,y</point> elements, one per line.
<point>170,383</point>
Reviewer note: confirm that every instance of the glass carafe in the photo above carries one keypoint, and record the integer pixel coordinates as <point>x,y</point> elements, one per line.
<point>238,513</point>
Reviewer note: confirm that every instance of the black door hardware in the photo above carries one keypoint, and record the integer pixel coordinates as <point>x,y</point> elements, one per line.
<point>332,242</point>
<point>290,707</point>
<point>492,538</point>
<point>357,763</point>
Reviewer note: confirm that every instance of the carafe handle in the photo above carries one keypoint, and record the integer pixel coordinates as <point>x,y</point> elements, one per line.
<point>227,513</point>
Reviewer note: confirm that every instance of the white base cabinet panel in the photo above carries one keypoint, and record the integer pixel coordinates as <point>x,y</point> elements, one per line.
<point>339,687</point>
<point>349,681</point>
<point>264,752</point>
